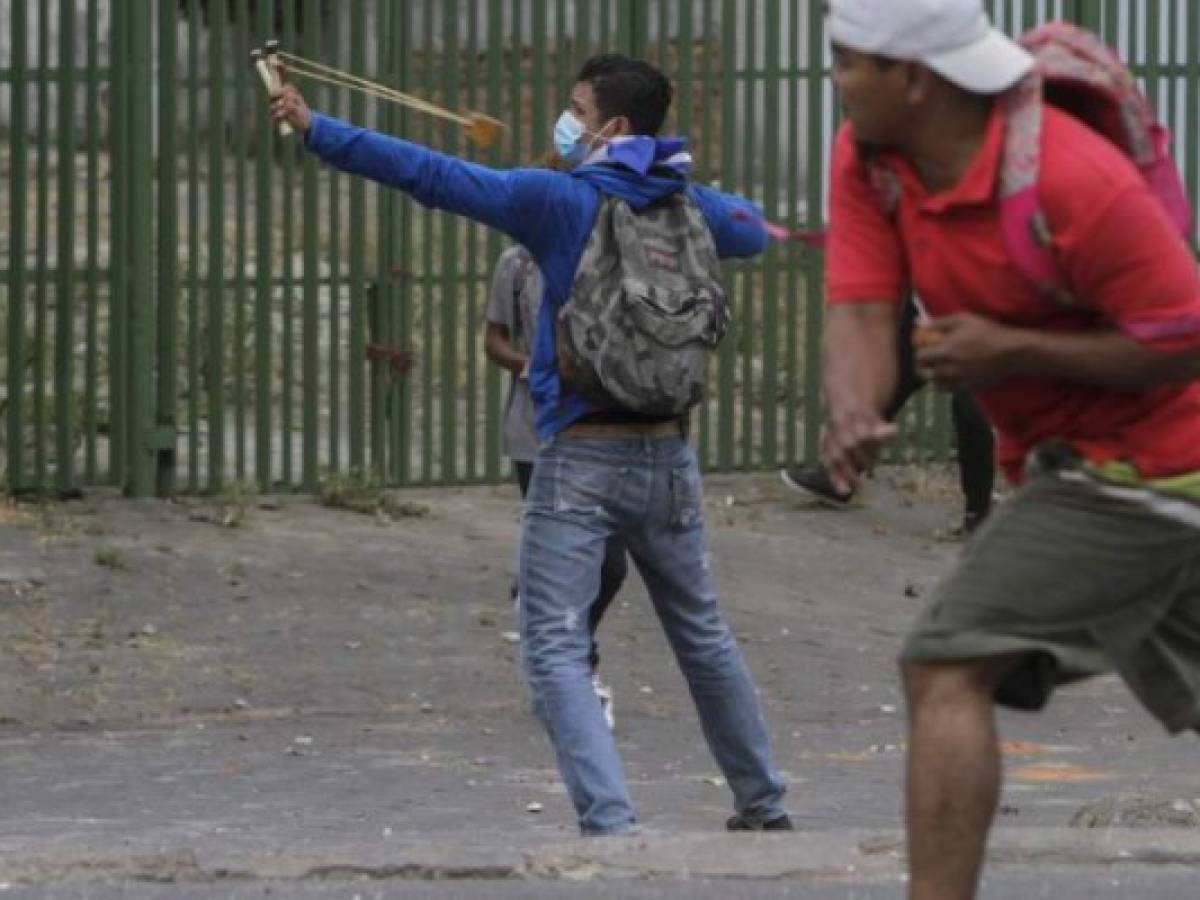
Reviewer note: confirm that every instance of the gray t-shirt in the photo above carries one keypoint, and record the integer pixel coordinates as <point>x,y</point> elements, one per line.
<point>513,302</point>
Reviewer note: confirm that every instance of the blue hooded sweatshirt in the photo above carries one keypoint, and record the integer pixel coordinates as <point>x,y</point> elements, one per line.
<point>550,213</point>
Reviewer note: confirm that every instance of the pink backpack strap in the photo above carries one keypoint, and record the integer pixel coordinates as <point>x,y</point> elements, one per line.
<point>1077,72</point>
<point>1023,224</point>
<point>1162,175</point>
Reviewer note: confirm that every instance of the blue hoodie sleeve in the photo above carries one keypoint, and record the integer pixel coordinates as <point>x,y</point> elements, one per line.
<point>518,202</point>
<point>736,223</point>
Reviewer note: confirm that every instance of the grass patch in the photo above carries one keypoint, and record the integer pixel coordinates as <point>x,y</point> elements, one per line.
<point>111,558</point>
<point>236,499</point>
<point>364,493</point>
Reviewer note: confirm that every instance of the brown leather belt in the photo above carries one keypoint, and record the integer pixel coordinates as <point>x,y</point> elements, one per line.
<point>623,430</point>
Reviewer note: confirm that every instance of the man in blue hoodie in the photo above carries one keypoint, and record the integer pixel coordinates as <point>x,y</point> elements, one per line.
<point>599,473</point>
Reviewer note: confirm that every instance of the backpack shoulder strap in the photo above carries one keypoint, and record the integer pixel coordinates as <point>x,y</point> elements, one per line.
<point>1023,224</point>
<point>522,276</point>
<point>1076,72</point>
<point>884,181</point>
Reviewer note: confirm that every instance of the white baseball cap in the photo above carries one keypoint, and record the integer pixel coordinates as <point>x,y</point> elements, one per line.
<point>955,38</point>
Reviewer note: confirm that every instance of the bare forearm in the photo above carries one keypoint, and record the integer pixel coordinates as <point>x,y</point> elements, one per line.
<point>860,356</point>
<point>1102,358</point>
<point>501,352</point>
<point>860,373</point>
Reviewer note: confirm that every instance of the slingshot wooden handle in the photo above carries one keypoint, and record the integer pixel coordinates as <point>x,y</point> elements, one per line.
<point>270,79</point>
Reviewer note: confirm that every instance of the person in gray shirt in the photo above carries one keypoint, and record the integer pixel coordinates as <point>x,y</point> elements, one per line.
<point>511,316</point>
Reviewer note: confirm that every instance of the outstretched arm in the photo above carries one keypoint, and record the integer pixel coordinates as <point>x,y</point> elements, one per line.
<point>516,201</point>
<point>736,223</point>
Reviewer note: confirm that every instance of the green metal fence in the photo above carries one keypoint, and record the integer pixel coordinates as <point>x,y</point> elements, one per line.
<point>192,301</point>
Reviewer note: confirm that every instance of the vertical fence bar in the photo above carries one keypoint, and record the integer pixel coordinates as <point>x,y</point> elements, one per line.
<point>118,331</point>
<point>449,264</point>
<point>428,287</point>
<point>813,288</point>
<point>239,50</point>
<point>288,353</point>
<point>168,243</point>
<point>684,83</point>
<point>401,265</point>
<point>1153,49</point>
<point>18,277</point>
<point>1088,15</point>
<point>473,349</point>
<point>1028,14</point>
<point>538,41</point>
<point>310,362</point>
<point>633,25</point>
<point>562,59</point>
<point>495,44</point>
<point>117,269</point>
<point>194,385</point>
<point>64,328</point>
<point>334,43</point>
<point>1111,21</point>
<point>382,285</point>
<point>358,282</point>
<point>1133,36</point>
<point>727,354</point>
<point>708,148</point>
<point>794,120</point>
<point>583,37</point>
<point>387,290</point>
<point>404,250</point>
<point>770,291</point>
<point>215,321</point>
<point>92,330</point>
<point>263,307</point>
<point>664,44</point>
<point>41,290</point>
<point>141,255</point>
<point>747,331</point>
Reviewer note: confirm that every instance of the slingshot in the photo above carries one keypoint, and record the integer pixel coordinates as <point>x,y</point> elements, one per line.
<point>481,130</point>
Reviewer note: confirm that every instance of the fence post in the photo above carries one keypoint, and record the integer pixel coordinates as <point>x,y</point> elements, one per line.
<point>168,249</point>
<point>814,272</point>
<point>633,27</point>
<point>139,480</point>
<point>1086,15</point>
<point>118,222</point>
<point>17,275</point>
<point>64,332</point>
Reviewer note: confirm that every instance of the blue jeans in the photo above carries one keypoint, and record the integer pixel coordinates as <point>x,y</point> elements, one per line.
<point>645,491</point>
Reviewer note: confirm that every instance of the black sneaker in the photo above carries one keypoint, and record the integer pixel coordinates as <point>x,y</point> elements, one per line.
<point>741,823</point>
<point>813,481</point>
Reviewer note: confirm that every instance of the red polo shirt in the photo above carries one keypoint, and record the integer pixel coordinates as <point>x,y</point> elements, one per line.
<point>1120,252</point>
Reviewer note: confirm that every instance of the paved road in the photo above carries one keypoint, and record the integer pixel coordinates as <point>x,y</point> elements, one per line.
<point>188,710</point>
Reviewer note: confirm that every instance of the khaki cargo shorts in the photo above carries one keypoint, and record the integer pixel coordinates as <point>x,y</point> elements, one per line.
<point>1076,577</point>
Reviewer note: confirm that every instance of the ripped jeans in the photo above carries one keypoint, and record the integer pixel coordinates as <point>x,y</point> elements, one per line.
<point>647,492</point>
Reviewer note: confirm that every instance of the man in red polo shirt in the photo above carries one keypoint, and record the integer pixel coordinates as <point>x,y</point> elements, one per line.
<point>1095,563</point>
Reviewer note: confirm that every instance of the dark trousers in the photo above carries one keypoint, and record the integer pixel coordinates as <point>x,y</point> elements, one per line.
<point>973,433</point>
<point>612,572</point>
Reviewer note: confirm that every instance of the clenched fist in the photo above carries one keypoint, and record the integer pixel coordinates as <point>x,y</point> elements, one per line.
<point>288,106</point>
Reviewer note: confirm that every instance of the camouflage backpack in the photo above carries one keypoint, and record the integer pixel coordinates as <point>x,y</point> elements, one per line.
<point>646,308</point>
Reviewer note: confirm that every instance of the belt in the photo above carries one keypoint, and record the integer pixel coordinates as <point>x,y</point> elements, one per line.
<point>623,430</point>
